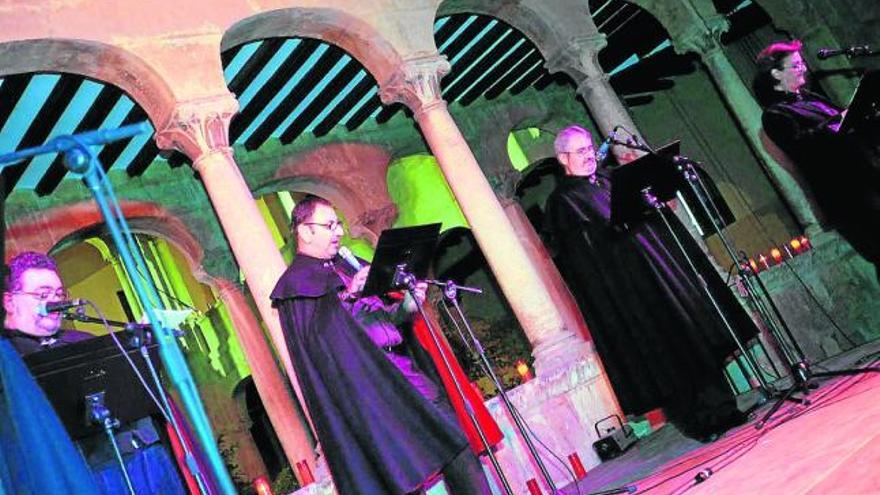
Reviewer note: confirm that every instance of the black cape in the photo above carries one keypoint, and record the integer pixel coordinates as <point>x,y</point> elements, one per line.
<point>378,433</point>
<point>659,338</point>
<point>840,169</point>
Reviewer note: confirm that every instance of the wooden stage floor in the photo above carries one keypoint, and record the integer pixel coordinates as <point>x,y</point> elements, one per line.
<point>829,447</point>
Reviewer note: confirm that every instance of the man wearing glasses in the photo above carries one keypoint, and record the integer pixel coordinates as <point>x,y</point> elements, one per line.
<point>660,340</point>
<point>383,424</point>
<point>36,453</point>
<point>33,282</point>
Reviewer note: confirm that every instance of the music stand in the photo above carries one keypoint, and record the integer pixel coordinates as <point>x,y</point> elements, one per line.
<point>865,103</point>
<point>411,247</point>
<point>69,373</point>
<point>645,184</point>
<point>654,170</point>
<point>402,257</point>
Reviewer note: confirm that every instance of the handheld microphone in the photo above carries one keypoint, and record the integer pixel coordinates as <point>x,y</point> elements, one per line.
<point>850,51</point>
<point>59,306</point>
<point>349,258</point>
<point>605,147</point>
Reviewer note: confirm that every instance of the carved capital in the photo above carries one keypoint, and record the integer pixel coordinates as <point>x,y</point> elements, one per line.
<point>199,127</point>
<point>416,84</point>
<point>579,58</point>
<point>703,39</point>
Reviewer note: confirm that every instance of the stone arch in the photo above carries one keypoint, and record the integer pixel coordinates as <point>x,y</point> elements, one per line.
<point>58,226</point>
<point>99,61</point>
<point>363,41</point>
<point>352,176</point>
<point>548,30</point>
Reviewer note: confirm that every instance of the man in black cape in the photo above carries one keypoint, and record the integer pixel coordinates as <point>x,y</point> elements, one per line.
<point>383,425</point>
<point>659,338</point>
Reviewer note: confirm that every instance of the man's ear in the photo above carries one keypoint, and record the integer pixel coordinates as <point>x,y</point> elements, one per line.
<point>563,158</point>
<point>303,234</point>
<point>7,301</point>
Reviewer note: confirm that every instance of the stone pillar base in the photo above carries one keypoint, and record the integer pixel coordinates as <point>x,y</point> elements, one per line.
<point>559,353</point>
<point>561,410</point>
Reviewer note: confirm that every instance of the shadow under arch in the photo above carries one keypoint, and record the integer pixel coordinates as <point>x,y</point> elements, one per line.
<point>357,38</point>
<point>99,61</point>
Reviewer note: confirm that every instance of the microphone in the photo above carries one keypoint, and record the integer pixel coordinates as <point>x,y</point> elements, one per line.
<point>850,51</point>
<point>349,258</point>
<point>605,147</point>
<point>59,306</point>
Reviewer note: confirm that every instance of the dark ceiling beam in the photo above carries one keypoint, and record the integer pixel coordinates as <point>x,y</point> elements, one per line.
<point>502,84</point>
<point>468,58</point>
<point>100,109</point>
<point>302,89</point>
<point>475,70</point>
<point>248,72</point>
<point>43,123</point>
<point>495,74</point>
<point>10,92</point>
<point>344,106</point>
<point>547,79</point>
<point>270,89</point>
<point>527,80</point>
<point>449,28</point>
<point>333,88</point>
<point>363,112</point>
<point>387,112</point>
<point>228,55</point>
<point>111,151</point>
<point>143,159</point>
<point>465,37</point>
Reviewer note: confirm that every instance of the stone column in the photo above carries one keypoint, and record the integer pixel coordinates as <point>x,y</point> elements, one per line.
<point>696,26</point>
<point>580,60</point>
<point>417,84</point>
<point>269,383</point>
<point>200,129</point>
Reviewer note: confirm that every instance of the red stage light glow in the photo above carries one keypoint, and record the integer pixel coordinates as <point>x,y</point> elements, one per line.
<point>262,486</point>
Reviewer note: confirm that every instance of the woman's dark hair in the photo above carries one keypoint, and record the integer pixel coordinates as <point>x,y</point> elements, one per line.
<point>769,59</point>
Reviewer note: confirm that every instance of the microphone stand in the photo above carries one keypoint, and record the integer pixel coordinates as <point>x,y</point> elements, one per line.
<point>450,293</point>
<point>98,412</point>
<point>801,373</point>
<point>403,278</point>
<point>653,202</point>
<point>82,161</point>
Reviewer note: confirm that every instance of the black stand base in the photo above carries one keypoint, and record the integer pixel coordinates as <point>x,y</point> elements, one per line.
<point>804,382</point>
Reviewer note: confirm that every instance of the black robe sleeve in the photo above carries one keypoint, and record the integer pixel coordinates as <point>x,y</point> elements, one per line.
<point>378,433</point>
<point>659,338</point>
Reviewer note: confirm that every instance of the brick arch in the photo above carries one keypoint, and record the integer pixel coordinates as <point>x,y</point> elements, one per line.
<point>352,176</point>
<point>99,61</point>
<point>47,229</point>
<point>360,39</point>
<point>549,31</point>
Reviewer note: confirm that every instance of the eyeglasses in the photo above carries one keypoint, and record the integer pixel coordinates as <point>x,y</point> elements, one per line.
<point>45,293</point>
<point>331,225</point>
<point>579,151</point>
